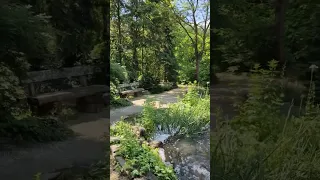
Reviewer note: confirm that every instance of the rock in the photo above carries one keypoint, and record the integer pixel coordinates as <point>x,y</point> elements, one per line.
<point>140,131</point>
<point>151,176</point>
<point>115,140</point>
<point>140,178</point>
<point>114,148</point>
<point>168,164</point>
<point>120,160</point>
<point>156,144</point>
<point>142,140</point>
<point>162,154</point>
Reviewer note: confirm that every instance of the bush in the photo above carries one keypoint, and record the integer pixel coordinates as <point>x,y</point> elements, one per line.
<point>167,86</point>
<point>35,130</point>
<point>118,73</point>
<point>149,82</point>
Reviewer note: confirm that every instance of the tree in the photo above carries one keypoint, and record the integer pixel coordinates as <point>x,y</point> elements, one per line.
<point>187,14</point>
<point>280,11</point>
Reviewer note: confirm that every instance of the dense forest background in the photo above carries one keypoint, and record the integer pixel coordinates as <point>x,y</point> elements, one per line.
<point>246,32</point>
<point>160,40</point>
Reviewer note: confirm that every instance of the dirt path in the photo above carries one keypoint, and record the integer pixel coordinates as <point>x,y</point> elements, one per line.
<point>88,147</point>
<point>164,98</point>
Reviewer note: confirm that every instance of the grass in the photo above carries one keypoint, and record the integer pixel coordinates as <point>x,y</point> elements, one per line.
<point>261,142</point>
<point>189,116</point>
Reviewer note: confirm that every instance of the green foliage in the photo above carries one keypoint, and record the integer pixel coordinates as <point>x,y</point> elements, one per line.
<point>63,111</point>
<point>166,86</point>
<point>185,56</point>
<point>189,116</point>
<point>10,91</point>
<point>25,38</point>
<point>42,35</point>
<point>261,143</point>
<point>118,73</point>
<point>149,82</point>
<point>140,159</point>
<point>246,34</point>
<point>35,129</point>
<point>263,99</point>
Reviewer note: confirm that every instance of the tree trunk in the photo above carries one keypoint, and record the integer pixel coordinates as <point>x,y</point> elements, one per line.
<point>106,38</point>
<point>280,10</point>
<point>119,33</point>
<point>196,50</point>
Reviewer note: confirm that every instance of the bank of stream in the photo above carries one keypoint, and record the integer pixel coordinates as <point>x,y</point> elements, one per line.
<point>190,156</point>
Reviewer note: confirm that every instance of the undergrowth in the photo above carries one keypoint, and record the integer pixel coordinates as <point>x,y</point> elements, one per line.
<point>140,158</point>
<point>189,116</point>
<point>34,129</point>
<point>263,143</point>
<point>120,102</point>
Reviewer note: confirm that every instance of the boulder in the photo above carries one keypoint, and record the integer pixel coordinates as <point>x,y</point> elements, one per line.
<point>114,148</point>
<point>156,144</point>
<point>115,140</point>
<point>120,160</point>
<point>140,131</point>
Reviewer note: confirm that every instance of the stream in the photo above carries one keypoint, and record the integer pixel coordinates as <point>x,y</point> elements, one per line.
<point>189,156</point>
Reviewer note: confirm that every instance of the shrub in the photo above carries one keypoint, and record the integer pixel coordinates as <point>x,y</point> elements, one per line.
<point>149,82</point>
<point>166,86</point>
<point>10,92</point>
<point>118,73</point>
<point>63,111</point>
<point>35,129</point>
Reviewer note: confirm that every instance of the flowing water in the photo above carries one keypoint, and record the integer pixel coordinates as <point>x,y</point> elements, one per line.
<point>189,156</point>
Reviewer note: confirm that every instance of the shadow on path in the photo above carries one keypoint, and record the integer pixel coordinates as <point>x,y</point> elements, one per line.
<point>87,147</point>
